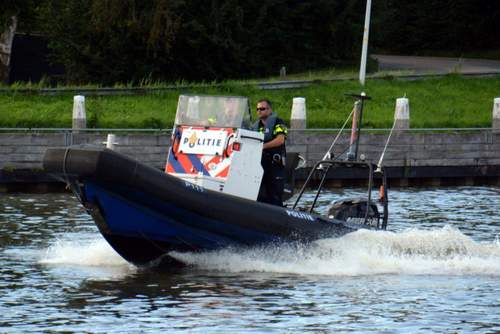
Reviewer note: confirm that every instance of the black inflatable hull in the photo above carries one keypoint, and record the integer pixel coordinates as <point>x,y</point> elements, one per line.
<point>145,214</point>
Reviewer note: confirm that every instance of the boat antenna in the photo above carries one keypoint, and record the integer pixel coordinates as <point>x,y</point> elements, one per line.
<point>357,118</point>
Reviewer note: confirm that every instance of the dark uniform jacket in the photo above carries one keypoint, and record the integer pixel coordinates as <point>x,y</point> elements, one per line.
<point>273,161</point>
<point>274,126</point>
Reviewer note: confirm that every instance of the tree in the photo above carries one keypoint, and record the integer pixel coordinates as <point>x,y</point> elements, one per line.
<point>108,41</point>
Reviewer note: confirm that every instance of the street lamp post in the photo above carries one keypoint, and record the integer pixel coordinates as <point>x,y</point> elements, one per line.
<point>364,52</point>
<point>357,116</point>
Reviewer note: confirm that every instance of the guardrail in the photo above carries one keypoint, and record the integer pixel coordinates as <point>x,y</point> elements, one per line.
<point>169,130</point>
<point>91,130</point>
<point>271,85</point>
<point>415,154</point>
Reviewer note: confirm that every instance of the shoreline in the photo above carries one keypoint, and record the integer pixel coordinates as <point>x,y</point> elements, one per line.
<point>413,159</point>
<point>36,181</point>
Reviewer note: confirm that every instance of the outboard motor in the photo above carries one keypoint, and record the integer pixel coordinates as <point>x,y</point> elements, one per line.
<point>355,211</point>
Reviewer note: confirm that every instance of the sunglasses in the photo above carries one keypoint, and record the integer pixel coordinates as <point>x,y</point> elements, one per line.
<point>261,109</point>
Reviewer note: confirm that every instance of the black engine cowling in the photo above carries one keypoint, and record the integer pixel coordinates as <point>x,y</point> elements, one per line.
<point>354,210</point>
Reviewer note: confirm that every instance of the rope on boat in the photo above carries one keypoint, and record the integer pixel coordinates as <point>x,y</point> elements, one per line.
<point>328,154</point>
<point>379,164</point>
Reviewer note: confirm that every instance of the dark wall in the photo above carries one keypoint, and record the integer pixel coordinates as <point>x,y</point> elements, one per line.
<point>29,60</point>
<point>437,27</point>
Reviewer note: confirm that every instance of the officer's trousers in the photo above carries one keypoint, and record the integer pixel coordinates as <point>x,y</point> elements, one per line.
<point>273,184</point>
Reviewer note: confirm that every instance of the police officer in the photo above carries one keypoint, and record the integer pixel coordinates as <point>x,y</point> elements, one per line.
<point>273,153</point>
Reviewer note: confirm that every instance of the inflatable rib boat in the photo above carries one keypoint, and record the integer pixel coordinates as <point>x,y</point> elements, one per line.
<point>145,213</point>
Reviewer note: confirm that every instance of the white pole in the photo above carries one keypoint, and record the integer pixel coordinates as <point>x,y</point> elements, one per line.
<point>111,141</point>
<point>79,114</point>
<point>364,52</point>
<point>298,119</point>
<point>496,115</point>
<point>402,114</point>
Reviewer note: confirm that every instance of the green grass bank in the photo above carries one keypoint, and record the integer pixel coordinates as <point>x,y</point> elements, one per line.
<point>452,101</point>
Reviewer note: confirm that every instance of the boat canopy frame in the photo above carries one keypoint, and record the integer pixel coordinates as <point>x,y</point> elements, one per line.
<point>213,111</point>
<point>373,171</point>
<point>352,161</point>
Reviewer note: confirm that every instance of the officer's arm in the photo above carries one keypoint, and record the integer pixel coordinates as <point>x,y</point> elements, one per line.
<point>278,141</point>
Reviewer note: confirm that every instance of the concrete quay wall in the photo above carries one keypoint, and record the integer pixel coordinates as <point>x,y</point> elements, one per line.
<point>409,155</point>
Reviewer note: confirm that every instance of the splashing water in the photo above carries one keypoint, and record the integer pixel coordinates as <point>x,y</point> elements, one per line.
<point>435,252</point>
<point>84,286</point>
<point>95,252</point>
<point>443,251</point>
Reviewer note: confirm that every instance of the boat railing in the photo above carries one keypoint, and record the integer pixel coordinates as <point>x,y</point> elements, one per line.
<point>325,165</point>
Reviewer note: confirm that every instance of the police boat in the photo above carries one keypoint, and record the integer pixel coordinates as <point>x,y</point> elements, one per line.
<point>205,199</point>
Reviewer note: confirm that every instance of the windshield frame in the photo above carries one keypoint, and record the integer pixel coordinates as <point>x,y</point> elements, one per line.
<point>213,111</point>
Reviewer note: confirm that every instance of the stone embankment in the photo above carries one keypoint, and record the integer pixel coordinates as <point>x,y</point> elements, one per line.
<point>412,158</point>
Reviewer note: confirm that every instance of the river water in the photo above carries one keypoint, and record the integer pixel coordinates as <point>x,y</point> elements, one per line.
<point>436,269</point>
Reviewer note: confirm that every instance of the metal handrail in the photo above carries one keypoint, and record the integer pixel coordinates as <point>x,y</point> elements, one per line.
<point>389,129</point>
<point>331,163</point>
<point>83,130</point>
<point>27,129</point>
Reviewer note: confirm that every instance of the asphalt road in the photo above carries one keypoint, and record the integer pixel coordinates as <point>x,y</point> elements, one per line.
<point>437,65</point>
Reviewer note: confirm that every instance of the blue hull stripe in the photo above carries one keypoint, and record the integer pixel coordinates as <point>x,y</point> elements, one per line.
<point>175,164</point>
<point>197,164</point>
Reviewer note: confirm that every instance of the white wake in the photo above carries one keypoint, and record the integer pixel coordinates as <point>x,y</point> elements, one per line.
<point>443,251</point>
<point>95,252</point>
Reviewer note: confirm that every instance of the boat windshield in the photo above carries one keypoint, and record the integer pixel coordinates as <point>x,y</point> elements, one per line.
<point>216,111</point>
